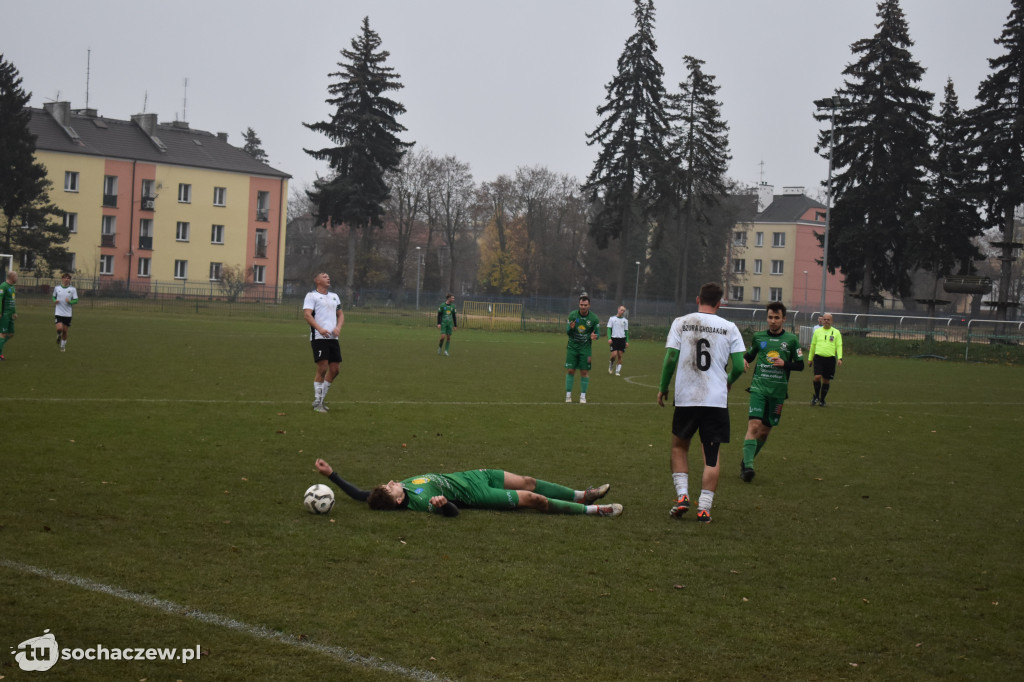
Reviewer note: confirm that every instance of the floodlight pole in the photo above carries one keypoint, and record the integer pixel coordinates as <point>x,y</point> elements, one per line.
<point>828,201</point>
<point>417,278</point>
<point>636,287</point>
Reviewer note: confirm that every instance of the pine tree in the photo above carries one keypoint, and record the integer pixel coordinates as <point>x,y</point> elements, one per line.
<point>694,177</point>
<point>364,129</point>
<point>254,146</point>
<point>29,226</point>
<point>941,240</point>
<point>998,121</point>
<point>880,156</point>
<point>631,136</point>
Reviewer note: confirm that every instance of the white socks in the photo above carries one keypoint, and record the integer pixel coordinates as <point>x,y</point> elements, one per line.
<point>682,483</point>
<point>706,498</point>
<point>320,389</point>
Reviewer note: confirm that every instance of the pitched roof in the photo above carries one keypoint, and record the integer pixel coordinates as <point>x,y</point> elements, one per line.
<point>787,208</point>
<point>116,139</point>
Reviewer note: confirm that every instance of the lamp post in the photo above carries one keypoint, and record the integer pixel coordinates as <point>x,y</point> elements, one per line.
<point>417,278</point>
<point>805,288</point>
<point>828,199</point>
<point>636,287</point>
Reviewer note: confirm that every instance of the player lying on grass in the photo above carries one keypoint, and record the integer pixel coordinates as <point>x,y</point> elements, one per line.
<point>477,489</point>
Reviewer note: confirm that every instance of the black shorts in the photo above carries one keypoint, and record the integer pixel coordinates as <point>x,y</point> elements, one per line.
<point>326,349</point>
<point>619,344</point>
<point>825,367</point>
<point>60,319</point>
<point>712,422</point>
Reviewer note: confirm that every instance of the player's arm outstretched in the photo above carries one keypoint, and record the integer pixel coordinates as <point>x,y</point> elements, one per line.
<point>346,487</point>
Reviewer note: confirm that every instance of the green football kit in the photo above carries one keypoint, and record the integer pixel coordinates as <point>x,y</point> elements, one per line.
<point>7,309</point>
<point>769,387</point>
<point>579,328</point>
<point>446,317</point>
<point>480,488</point>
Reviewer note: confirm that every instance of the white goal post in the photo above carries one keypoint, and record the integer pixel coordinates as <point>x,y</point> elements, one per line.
<point>10,261</point>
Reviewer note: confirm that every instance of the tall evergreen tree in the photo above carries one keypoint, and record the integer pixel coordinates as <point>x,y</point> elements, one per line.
<point>941,240</point>
<point>364,129</point>
<point>698,159</point>
<point>631,135</point>
<point>29,227</point>
<point>998,122</point>
<point>254,146</point>
<point>879,159</point>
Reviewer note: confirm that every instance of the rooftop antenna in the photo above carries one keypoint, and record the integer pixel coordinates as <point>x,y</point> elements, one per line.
<point>145,100</point>
<point>184,103</point>
<point>762,171</point>
<point>88,63</point>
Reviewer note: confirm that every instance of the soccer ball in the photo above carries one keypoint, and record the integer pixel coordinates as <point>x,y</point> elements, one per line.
<point>318,499</point>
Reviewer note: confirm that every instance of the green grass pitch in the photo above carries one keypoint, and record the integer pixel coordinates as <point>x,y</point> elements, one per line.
<point>151,491</point>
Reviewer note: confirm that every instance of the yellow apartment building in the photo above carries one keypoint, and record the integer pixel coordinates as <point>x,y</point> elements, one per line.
<point>153,207</point>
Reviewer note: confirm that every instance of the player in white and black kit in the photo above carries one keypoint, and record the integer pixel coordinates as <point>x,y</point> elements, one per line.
<point>65,296</point>
<point>705,352</point>
<point>618,339</point>
<point>322,310</point>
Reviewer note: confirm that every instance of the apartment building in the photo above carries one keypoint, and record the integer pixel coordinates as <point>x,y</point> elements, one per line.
<point>774,254</point>
<point>150,203</point>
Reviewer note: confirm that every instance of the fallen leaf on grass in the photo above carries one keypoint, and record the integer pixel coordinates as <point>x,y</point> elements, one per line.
<point>280,414</point>
<point>281,431</point>
<point>679,587</point>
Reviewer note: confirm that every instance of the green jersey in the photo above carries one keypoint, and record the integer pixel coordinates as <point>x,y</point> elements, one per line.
<point>769,380</point>
<point>579,328</point>
<point>446,315</point>
<point>479,488</point>
<point>7,306</point>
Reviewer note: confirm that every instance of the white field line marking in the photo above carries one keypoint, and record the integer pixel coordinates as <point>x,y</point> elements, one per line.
<point>257,631</point>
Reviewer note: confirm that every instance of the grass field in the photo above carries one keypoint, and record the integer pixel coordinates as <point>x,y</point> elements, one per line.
<point>153,474</point>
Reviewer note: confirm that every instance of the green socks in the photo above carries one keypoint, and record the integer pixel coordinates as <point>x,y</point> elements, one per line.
<point>570,379</point>
<point>750,449</point>
<point>563,507</point>
<point>584,382</point>
<point>553,491</point>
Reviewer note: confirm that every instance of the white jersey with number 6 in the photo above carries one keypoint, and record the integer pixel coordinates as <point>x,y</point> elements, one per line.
<point>705,343</point>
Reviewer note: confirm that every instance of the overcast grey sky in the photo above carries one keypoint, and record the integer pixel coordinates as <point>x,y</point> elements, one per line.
<point>498,83</point>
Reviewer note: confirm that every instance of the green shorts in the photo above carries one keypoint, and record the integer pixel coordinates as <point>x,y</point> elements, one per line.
<point>485,489</point>
<point>7,324</point>
<point>447,328</point>
<point>767,410</point>
<point>577,358</point>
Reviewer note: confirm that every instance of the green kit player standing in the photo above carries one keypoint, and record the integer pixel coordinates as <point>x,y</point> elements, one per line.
<point>447,322</point>
<point>582,329</point>
<point>8,312</point>
<point>776,353</point>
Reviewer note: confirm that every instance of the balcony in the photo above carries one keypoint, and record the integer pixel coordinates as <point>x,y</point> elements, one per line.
<point>263,215</point>
<point>110,200</point>
<point>148,203</point>
<point>261,250</point>
<point>146,243</point>
<point>107,240</point>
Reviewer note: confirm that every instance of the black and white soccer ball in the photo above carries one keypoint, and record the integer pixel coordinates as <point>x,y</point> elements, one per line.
<point>318,499</point>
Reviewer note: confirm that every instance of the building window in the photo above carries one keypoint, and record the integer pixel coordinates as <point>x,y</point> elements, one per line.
<point>181,269</point>
<point>217,234</point>
<point>263,206</point>
<point>776,293</point>
<point>184,194</point>
<point>259,273</point>
<point>110,190</point>
<point>757,266</point>
<point>148,199</point>
<point>70,181</point>
<point>143,267</point>
<point>778,239</point>
<point>27,260</point>
<point>108,231</point>
<point>777,268</point>
<point>182,232</point>
<point>261,243</point>
<point>215,272</point>
<point>71,262</point>
<point>220,196</point>
<point>71,222</point>
<point>106,265</point>
<point>739,238</point>
<point>739,265</point>
<point>736,294</point>
<point>757,295</point>
<point>146,234</point>
<point>759,239</point>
